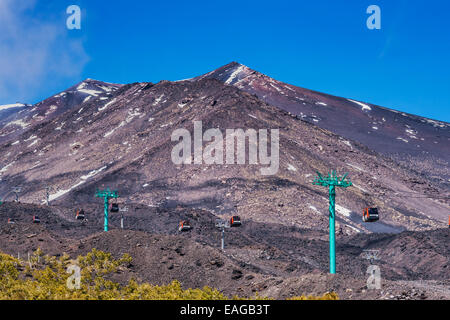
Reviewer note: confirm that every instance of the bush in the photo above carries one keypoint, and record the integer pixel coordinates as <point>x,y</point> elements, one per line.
<point>46,278</point>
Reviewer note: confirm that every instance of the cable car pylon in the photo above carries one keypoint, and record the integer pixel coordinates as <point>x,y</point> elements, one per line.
<point>106,195</point>
<point>332,181</point>
<point>17,190</point>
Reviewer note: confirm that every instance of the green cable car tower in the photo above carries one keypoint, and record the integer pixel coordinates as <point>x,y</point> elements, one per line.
<point>332,181</point>
<point>106,195</point>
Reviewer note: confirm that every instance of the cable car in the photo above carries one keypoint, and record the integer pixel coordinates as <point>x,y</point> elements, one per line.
<point>235,221</point>
<point>184,226</point>
<point>36,219</point>
<point>370,215</point>
<point>115,207</point>
<point>80,215</point>
<point>10,221</point>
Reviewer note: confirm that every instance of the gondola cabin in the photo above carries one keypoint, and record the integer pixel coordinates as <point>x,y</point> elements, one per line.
<point>370,215</point>
<point>115,207</point>
<point>184,226</point>
<point>10,221</point>
<point>36,219</point>
<point>80,215</point>
<point>235,221</point>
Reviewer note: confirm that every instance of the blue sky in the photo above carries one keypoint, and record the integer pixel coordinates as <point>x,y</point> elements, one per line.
<point>320,45</point>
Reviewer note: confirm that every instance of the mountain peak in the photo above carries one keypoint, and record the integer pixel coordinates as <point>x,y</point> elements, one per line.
<point>98,82</point>
<point>234,64</point>
<point>230,73</point>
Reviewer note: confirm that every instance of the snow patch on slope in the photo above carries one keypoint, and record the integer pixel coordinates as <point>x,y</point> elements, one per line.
<point>11,106</point>
<point>90,92</point>
<point>344,211</point>
<point>20,123</point>
<point>157,100</point>
<point>347,143</point>
<point>356,167</point>
<point>131,115</point>
<point>363,105</point>
<point>107,105</point>
<point>234,74</point>
<point>291,168</point>
<point>83,180</point>
<point>5,168</point>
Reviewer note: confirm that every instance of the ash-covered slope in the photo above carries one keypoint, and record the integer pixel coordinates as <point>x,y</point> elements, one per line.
<point>124,142</point>
<point>16,119</point>
<point>270,258</point>
<point>419,143</point>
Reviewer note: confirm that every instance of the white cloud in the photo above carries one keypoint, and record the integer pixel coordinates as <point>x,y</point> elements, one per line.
<point>34,51</point>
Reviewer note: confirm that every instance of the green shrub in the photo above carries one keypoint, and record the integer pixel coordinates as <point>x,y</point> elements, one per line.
<point>45,278</point>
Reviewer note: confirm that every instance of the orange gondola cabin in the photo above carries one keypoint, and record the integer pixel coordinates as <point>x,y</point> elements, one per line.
<point>80,215</point>
<point>184,226</point>
<point>370,215</point>
<point>235,221</point>
<point>114,207</point>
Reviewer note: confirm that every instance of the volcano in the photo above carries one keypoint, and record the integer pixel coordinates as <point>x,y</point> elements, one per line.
<point>96,134</point>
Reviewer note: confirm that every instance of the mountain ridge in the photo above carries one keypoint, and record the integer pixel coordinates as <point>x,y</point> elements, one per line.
<point>414,141</point>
